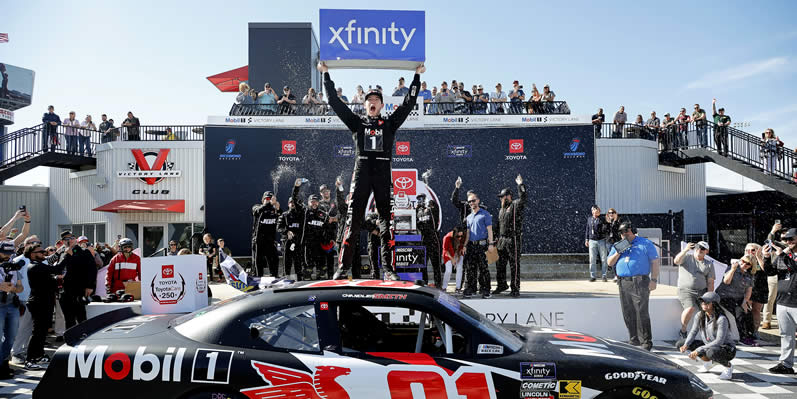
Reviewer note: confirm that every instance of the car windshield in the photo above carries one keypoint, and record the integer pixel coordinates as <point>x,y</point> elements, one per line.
<point>480,322</point>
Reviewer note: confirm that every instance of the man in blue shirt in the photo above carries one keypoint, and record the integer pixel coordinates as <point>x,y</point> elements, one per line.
<point>479,238</point>
<point>425,93</point>
<point>401,90</point>
<point>637,274</point>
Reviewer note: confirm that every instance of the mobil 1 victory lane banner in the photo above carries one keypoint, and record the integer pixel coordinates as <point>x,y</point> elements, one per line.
<point>557,163</point>
<point>372,38</point>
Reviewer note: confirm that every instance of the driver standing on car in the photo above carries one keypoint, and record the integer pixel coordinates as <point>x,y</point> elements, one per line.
<point>637,269</point>
<point>374,137</point>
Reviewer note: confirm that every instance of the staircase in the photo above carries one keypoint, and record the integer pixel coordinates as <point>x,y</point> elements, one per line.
<point>743,157</point>
<point>25,149</point>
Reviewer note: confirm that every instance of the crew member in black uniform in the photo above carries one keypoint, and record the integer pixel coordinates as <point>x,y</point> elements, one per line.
<point>315,232</point>
<point>343,206</point>
<point>290,227</point>
<point>510,227</point>
<point>427,217</point>
<point>328,205</point>
<point>374,138</point>
<point>264,232</point>
<point>371,225</point>
<point>80,279</point>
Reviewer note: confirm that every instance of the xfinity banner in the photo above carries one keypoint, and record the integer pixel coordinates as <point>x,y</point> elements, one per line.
<point>385,39</point>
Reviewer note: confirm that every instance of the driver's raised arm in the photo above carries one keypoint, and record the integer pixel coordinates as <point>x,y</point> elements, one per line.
<point>343,112</point>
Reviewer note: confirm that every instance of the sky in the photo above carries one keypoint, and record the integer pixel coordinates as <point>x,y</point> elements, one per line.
<point>152,57</point>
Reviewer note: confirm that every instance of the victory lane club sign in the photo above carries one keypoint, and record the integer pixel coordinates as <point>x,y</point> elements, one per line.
<point>372,39</point>
<point>173,284</point>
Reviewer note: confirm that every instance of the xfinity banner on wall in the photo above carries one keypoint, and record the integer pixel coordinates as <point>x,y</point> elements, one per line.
<point>173,284</point>
<point>385,39</point>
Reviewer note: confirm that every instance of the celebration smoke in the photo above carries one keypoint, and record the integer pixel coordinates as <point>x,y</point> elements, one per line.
<point>278,173</point>
<point>426,175</point>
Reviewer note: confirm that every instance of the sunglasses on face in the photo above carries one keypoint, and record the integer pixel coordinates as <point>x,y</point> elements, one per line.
<point>790,239</point>
<point>611,213</point>
<point>471,201</point>
<point>39,251</point>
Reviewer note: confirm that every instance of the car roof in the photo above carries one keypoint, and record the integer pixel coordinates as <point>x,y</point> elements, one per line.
<point>404,286</point>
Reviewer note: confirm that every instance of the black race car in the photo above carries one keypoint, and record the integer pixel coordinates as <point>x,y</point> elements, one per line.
<point>348,339</point>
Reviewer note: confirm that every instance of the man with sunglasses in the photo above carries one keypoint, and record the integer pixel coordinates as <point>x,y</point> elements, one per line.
<point>79,280</point>
<point>637,275</point>
<point>264,235</point>
<point>25,322</point>
<point>173,249</point>
<point>43,287</point>
<point>736,290</point>
<point>784,265</point>
<point>479,238</point>
<point>695,278</point>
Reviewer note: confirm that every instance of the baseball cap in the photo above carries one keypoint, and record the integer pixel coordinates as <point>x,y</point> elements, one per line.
<point>480,87</point>
<point>268,194</point>
<point>323,187</point>
<point>515,82</point>
<point>8,248</point>
<point>65,233</point>
<point>421,195</point>
<point>401,79</point>
<point>314,197</point>
<point>374,92</point>
<point>710,297</point>
<point>268,84</point>
<point>504,193</point>
<point>791,233</point>
<point>82,238</point>
<point>702,244</point>
<point>286,88</point>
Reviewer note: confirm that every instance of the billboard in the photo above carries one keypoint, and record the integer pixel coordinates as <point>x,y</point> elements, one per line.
<point>372,38</point>
<point>557,163</point>
<point>16,88</point>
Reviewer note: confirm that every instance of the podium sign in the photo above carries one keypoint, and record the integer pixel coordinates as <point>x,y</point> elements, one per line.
<point>173,284</point>
<point>373,39</point>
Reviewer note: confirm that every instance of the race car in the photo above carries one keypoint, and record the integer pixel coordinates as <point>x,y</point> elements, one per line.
<point>345,339</point>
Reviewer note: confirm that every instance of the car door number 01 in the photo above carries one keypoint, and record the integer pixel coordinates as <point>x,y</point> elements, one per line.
<point>212,366</point>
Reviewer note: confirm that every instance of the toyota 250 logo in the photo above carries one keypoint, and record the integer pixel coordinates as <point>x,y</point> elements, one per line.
<point>402,148</point>
<point>405,181</point>
<point>289,146</point>
<point>516,146</point>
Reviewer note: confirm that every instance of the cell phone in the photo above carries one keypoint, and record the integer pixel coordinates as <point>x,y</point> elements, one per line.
<point>118,236</point>
<point>777,221</point>
<point>23,208</point>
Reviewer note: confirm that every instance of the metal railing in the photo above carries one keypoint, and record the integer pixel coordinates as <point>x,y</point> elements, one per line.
<point>733,143</point>
<point>28,142</point>
<point>433,108</point>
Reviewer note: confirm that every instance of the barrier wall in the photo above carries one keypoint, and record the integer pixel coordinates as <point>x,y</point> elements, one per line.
<point>557,163</point>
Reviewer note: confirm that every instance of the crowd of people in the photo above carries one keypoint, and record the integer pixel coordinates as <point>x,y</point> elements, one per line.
<point>78,133</point>
<point>444,100</point>
<point>673,132</point>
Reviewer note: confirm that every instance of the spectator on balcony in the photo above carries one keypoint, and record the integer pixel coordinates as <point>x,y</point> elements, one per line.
<point>86,129</point>
<point>498,98</point>
<point>481,99</point>
<point>597,122</point>
<point>444,98</point>
<point>681,137</point>
<point>667,132</point>
<point>620,118</point>
<point>467,98</point>
<point>170,136</point>
<point>721,122</point>
<point>432,108</point>
<point>71,133</point>
<point>51,120</point>
<point>132,124</point>
<point>359,98</point>
<point>340,95</point>
<point>652,126</point>
<point>401,90</point>
<point>287,102</point>
<point>548,97</point>
<point>425,93</point>
<point>267,99</point>
<point>311,102</point>
<point>106,127</point>
<point>243,97</point>
<point>535,107</point>
<point>699,119</point>
<point>770,151</point>
<point>516,98</point>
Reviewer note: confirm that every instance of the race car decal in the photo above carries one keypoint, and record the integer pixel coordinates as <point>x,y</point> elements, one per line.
<point>577,344</point>
<point>118,366</point>
<point>634,375</point>
<point>212,366</point>
<point>362,283</point>
<point>333,376</point>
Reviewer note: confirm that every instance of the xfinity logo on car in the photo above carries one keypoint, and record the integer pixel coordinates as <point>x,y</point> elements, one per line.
<point>537,371</point>
<point>349,36</point>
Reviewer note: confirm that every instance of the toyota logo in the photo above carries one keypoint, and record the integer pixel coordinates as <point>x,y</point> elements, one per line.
<point>288,147</point>
<point>515,146</point>
<point>404,182</point>
<point>403,148</point>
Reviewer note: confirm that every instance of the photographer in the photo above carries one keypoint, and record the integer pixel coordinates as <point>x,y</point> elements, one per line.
<point>784,266</point>
<point>772,280</point>
<point>79,281</point>
<point>736,289</point>
<point>10,286</point>
<point>43,280</point>
<point>695,277</point>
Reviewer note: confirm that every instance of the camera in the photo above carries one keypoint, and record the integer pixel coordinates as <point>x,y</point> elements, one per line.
<point>8,268</point>
<point>23,208</point>
<point>775,243</point>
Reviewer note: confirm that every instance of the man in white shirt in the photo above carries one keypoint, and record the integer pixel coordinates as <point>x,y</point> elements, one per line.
<point>87,127</point>
<point>497,99</point>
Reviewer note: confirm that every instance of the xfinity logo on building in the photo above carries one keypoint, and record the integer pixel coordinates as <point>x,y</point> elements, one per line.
<point>395,37</point>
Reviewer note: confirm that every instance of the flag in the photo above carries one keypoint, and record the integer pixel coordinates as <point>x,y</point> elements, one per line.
<point>3,37</point>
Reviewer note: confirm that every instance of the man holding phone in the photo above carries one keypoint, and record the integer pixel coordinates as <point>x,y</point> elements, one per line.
<point>79,281</point>
<point>783,265</point>
<point>772,280</point>
<point>264,234</point>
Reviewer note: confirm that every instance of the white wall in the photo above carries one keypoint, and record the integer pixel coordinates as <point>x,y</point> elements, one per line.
<point>630,179</point>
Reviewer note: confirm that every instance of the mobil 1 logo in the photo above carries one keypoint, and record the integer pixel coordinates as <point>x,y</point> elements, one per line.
<point>212,366</point>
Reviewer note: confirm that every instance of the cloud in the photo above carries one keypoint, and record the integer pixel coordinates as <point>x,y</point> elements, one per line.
<point>776,113</point>
<point>739,72</point>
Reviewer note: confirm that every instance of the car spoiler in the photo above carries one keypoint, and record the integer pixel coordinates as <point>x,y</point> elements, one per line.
<point>94,324</point>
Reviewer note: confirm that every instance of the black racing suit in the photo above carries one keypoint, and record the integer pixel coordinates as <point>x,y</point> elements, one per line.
<point>292,221</point>
<point>332,211</point>
<point>510,228</point>
<point>315,232</point>
<point>356,262</point>
<point>264,234</point>
<point>370,224</point>
<point>374,139</point>
<point>427,222</point>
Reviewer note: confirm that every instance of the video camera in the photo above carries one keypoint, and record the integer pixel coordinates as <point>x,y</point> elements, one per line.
<point>775,243</point>
<point>8,268</point>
